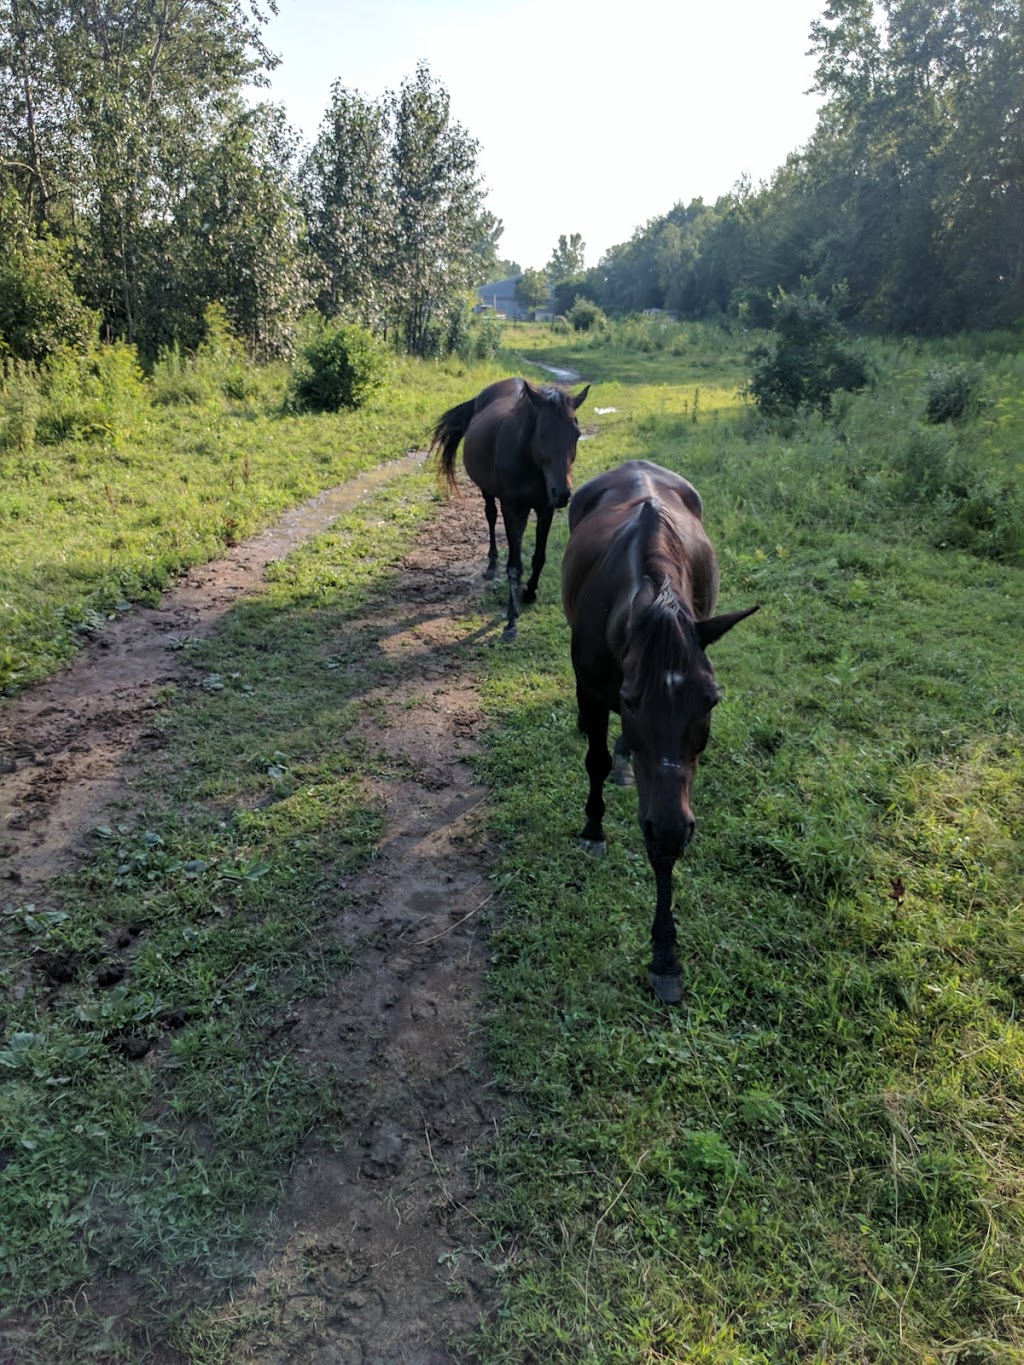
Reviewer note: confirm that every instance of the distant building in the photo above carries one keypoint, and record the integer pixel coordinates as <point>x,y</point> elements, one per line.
<point>501,297</point>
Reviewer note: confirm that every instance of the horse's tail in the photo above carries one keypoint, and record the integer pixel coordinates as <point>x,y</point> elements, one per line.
<point>449,431</point>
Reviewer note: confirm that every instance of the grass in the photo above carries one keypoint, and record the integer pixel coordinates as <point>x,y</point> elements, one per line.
<point>818,1156</point>
<point>92,524</point>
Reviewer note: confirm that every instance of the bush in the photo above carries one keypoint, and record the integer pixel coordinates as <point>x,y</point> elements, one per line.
<point>341,368</point>
<point>586,316</point>
<point>487,336</point>
<point>807,360</point>
<point>952,392</point>
<point>39,310</point>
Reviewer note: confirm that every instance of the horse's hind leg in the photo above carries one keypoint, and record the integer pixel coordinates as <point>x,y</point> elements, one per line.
<point>665,973</point>
<point>491,512</point>
<point>544,516</point>
<point>593,721</point>
<point>622,765</point>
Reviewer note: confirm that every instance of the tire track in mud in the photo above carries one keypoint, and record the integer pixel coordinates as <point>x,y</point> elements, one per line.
<point>374,1256</point>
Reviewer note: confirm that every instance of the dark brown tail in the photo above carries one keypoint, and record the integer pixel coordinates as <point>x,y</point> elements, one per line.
<point>449,431</point>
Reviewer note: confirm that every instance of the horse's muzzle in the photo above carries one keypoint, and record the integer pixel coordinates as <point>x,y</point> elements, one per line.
<point>668,841</point>
<point>559,497</point>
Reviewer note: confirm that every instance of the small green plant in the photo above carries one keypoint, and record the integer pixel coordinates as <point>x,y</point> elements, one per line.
<point>341,368</point>
<point>952,392</point>
<point>806,361</point>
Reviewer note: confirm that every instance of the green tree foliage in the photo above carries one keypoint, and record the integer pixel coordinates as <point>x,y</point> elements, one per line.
<point>394,204</point>
<point>565,271</point>
<point>39,310</point>
<point>243,235</point>
<point>115,119</point>
<point>346,194</point>
<point>567,259</point>
<point>910,192</point>
<point>437,223</point>
<point>533,289</point>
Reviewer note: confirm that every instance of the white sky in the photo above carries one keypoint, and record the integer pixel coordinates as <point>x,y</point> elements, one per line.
<point>591,118</point>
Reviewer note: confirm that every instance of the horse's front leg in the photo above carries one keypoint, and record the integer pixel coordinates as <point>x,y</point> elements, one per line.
<point>664,974</point>
<point>593,721</point>
<point>491,513</point>
<point>540,552</point>
<point>514,518</point>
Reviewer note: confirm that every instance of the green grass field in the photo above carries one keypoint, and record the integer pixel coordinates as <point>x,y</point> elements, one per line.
<point>818,1156</point>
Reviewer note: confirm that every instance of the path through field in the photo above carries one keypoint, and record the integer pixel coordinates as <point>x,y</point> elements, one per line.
<point>370,1262</point>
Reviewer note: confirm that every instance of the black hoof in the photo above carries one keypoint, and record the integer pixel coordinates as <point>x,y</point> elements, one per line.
<point>491,571</point>
<point>529,595</point>
<point>668,989</point>
<point>597,848</point>
<point>510,633</point>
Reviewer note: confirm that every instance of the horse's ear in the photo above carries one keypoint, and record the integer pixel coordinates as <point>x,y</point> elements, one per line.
<point>577,401</point>
<point>713,629</point>
<point>531,392</point>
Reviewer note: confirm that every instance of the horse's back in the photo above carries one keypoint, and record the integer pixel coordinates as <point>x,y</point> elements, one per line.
<point>630,484</point>
<point>507,390</point>
<point>493,407</point>
<point>601,568</point>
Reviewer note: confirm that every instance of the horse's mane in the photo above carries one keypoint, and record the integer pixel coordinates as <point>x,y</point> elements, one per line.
<point>662,633</point>
<point>662,640</point>
<point>551,393</point>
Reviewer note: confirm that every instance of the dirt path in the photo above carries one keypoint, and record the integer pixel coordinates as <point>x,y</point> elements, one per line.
<point>370,1263</point>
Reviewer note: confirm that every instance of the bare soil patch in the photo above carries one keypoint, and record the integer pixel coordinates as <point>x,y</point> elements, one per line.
<point>374,1259</point>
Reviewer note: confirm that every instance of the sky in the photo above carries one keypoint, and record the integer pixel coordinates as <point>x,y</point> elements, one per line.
<point>591,118</point>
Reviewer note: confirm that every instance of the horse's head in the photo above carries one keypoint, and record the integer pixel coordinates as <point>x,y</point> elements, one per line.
<point>555,434</point>
<point>667,696</point>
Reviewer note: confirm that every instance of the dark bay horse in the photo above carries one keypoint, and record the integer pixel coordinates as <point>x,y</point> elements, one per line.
<point>639,585</point>
<point>519,444</point>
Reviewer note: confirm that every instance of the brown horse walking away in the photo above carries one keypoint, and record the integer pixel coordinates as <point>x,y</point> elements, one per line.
<point>639,584</point>
<point>519,448</point>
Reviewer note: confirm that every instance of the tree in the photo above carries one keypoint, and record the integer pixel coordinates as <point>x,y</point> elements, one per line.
<point>107,108</point>
<point>533,289</point>
<point>349,205</point>
<point>247,233</point>
<point>567,261</point>
<point>438,218</point>
<point>39,310</point>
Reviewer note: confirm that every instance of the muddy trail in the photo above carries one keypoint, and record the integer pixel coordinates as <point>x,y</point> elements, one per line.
<point>373,1258</point>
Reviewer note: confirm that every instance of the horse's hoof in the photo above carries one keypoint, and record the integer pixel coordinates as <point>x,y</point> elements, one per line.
<point>510,633</point>
<point>529,595</point>
<point>668,989</point>
<point>597,848</point>
<point>491,571</point>
<point>622,773</point>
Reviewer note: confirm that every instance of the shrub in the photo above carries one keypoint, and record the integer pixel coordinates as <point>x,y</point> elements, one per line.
<point>807,360</point>
<point>341,368</point>
<point>952,392</point>
<point>487,336</point>
<point>39,309</point>
<point>586,316</point>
